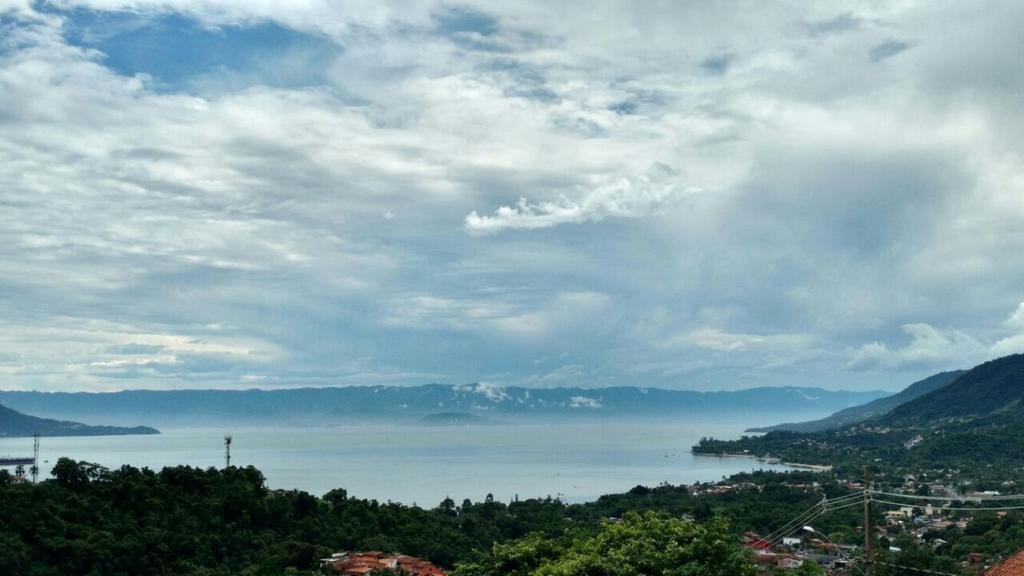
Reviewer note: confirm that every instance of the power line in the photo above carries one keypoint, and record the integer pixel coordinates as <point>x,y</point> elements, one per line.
<point>850,505</point>
<point>840,499</point>
<point>824,506</point>
<point>812,514</point>
<point>809,511</point>
<point>850,496</point>
<point>795,523</point>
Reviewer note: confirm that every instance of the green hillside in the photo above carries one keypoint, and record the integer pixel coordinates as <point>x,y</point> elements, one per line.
<point>14,424</point>
<point>991,390</point>
<point>873,409</point>
<point>971,429</point>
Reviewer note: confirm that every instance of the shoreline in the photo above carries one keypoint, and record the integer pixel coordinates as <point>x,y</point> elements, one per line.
<point>767,460</point>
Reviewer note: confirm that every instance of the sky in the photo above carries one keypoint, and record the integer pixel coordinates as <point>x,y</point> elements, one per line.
<point>687,194</point>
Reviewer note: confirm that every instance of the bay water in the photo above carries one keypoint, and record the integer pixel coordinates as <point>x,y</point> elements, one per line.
<point>421,464</point>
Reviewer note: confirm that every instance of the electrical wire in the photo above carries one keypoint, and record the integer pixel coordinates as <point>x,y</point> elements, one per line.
<point>850,505</point>
<point>857,494</point>
<point>806,512</point>
<point>811,515</point>
<point>792,525</point>
<point>824,506</point>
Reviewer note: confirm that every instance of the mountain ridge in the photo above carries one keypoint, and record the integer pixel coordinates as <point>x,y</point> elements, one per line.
<point>330,405</point>
<point>14,424</point>
<point>974,423</point>
<point>875,408</point>
<point>991,390</point>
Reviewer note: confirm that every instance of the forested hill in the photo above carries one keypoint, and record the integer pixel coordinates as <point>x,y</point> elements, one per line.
<point>872,409</point>
<point>991,391</point>
<point>13,424</point>
<point>973,425</point>
<point>325,406</point>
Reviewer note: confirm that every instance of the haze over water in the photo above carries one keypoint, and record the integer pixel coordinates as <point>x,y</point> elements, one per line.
<point>423,465</point>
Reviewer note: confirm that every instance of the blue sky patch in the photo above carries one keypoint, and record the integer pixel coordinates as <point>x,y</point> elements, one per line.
<point>460,19</point>
<point>180,53</point>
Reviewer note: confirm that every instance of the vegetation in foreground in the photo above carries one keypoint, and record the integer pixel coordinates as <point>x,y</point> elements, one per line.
<point>189,521</point>
<point>636,545</point>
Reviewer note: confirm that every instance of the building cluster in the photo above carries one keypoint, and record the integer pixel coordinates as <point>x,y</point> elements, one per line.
<point>363,563</point>
<point>721,488</point>
<point>838,559</point>
<point>794,552</point>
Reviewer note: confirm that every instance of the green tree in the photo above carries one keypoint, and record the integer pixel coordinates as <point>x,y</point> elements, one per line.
<point>650,544</point>
<point>14,555</point>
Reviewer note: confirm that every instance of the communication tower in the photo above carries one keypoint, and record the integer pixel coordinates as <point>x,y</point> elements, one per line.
<point>35,459</point>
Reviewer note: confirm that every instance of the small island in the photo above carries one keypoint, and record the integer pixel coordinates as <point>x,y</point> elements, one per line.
<point>456,419</point>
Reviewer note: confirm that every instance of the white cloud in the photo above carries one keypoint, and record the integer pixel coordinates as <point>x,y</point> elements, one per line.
<point>932,348</point>
<point>492,392</point>
<point>1016,320</point>
<point>1014,343</point>
<point>622,198</point>
<point>565,311</point>
<point>929,347</point>
<point>585,402</point>
<point>106,355</point>
<point>567,375</point>
<point>1009,345</point>
<point>842,196</point>
<point>724,341</point>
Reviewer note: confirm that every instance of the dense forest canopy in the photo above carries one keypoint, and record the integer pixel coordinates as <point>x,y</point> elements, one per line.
<point>187,521</point>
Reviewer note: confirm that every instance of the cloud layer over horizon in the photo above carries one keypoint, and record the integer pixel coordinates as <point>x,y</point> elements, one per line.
<point>693,195</point>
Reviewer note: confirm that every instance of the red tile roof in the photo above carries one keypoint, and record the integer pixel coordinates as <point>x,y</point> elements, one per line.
<point>759,545</point>
<point>1012,566</point>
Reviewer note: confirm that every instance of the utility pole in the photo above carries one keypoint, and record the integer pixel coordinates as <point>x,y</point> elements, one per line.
<point>227,451</point>
<point>869,547</point>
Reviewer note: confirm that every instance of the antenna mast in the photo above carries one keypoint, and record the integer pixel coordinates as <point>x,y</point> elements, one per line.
<point>227,451</point>
<point>35,459</point>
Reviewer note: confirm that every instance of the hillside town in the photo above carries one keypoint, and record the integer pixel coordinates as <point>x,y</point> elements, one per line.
<point>915,510</point>
<point>364,563</point>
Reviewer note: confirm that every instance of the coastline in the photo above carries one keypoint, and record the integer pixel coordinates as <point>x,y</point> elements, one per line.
<point>768,460</point>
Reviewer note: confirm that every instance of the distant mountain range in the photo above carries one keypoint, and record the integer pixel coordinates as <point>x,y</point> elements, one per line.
<point>872,409</point>
<point>14,424</point>
<point>326,406</point>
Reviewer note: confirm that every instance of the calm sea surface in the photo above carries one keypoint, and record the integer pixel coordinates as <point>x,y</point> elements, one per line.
<point>422,465</point>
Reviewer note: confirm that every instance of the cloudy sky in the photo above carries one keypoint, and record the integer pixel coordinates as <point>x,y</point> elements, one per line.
<point>680,194</point>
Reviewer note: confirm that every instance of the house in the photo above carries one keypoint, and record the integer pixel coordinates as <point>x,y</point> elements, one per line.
<point>1011,566</point>
<point>754,541</point>
<point>789,562</point>
<point>784,561</point>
